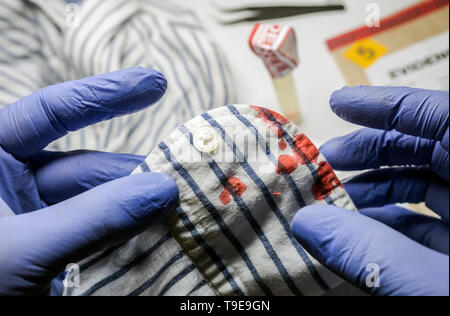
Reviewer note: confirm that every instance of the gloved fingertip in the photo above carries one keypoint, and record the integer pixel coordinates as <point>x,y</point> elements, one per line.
<point>105,216</point>
<point>332,151</point>
<point>386,215</point>
<point>338,97</point>
<point>157,194</point>
<point>150,82</point>
<point>57,287</point>
<point>156,77</point>
<point>63,175</point>
<point>161,81</point>
<point>304,221</point>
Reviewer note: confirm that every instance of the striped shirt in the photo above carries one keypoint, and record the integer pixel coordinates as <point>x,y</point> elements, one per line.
<point>52,41</point>
<point>233,221</point>
<point>230,235</point>
<point>43,42</point>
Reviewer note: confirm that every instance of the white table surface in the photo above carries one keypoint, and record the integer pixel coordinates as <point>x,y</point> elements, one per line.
<point>318,75</point>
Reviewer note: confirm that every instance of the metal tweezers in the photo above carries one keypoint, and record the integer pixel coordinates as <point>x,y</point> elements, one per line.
<point>261,13</point>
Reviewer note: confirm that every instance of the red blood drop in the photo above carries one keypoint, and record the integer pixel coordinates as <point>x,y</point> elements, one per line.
<point>326,182</point>
<point>272,119</point>
<point>287,164</point>
<point>233,186</point>
<point>282,144</point>
<point>225,197</point>
<point>305,150</point>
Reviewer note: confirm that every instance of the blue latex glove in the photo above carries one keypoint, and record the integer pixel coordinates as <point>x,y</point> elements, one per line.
<point>57,208</point>
<point>407,127</point>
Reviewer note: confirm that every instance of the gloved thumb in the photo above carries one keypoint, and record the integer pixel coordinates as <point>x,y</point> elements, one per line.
<point>369,254</point>
<point>46,241</point>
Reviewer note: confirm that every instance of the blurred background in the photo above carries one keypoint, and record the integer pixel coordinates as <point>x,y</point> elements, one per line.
<point>318,74</point>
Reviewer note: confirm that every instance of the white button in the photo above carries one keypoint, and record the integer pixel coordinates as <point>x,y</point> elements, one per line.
<point>206,139</point>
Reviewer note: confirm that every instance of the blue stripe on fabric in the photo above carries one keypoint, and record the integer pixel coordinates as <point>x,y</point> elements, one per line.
<point>112,47</point>
<point>163,124</point>
<point>290,141</point>
<point>155,108</point>
<point>171,62</point>
<point>185,63</point>
<point>222,73</point>
<point>147,284</point>
<point>96,50</point>
<point>180,276</point>
<point>83,138</point>
<point>192,27</point>
<point>140,60</point>
<point>99,258</point>
<point>109,132</point>
<point>27,49</point>
<point>202,243</point>
<point>13,11</point>
<point>296,191</point>
<point>251,220</point>
<point>74,36</point>
<point>209,251</point>
<point>125,269</point>
<point>34,79</point>
<point>197,287</point>
<point>18,81</point>
<point>145,168</point>
<point>217,217</point>
<point>127,53</point>
<point>18,28</point>
<point>175,71</point>
<point>11,93</point>
<point>263,144</point>
<point>100,21</point>
<point>210,81</point>
<point>45,37</point>
<point>169,9</point>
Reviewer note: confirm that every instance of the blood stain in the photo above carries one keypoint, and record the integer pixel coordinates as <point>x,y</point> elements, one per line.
<point>282,144</point>
<point>272,118</point>
<point>326,182</point>
<point>305,150</point>
<point>225,197</point>
<point>234,186</point>
<point>287,164</point>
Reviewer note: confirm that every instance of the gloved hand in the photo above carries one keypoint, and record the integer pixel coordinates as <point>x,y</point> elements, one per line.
<point>407,127</point>
<point>58,208</point>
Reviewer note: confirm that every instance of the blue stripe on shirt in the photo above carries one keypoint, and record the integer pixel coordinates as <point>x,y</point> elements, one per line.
<point>296,191</point>
<point>180,276</point>
<point>197,287</point>
<point>149,283</point>
<point>125,269</point>
<point>297,150</point>
<point>202,243</point>
<point>217,217</point>
<point>250,218</point>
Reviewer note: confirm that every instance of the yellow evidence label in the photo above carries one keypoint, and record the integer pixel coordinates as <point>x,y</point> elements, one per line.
<point>365,52</point>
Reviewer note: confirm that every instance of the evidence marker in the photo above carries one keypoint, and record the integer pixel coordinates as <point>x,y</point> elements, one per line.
<point>277,46</point>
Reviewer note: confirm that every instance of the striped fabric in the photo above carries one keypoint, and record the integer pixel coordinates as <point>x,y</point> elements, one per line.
<point>230,235</point>
<point>151,264</point>
<point>235,211</point>
<point>43,42</point>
